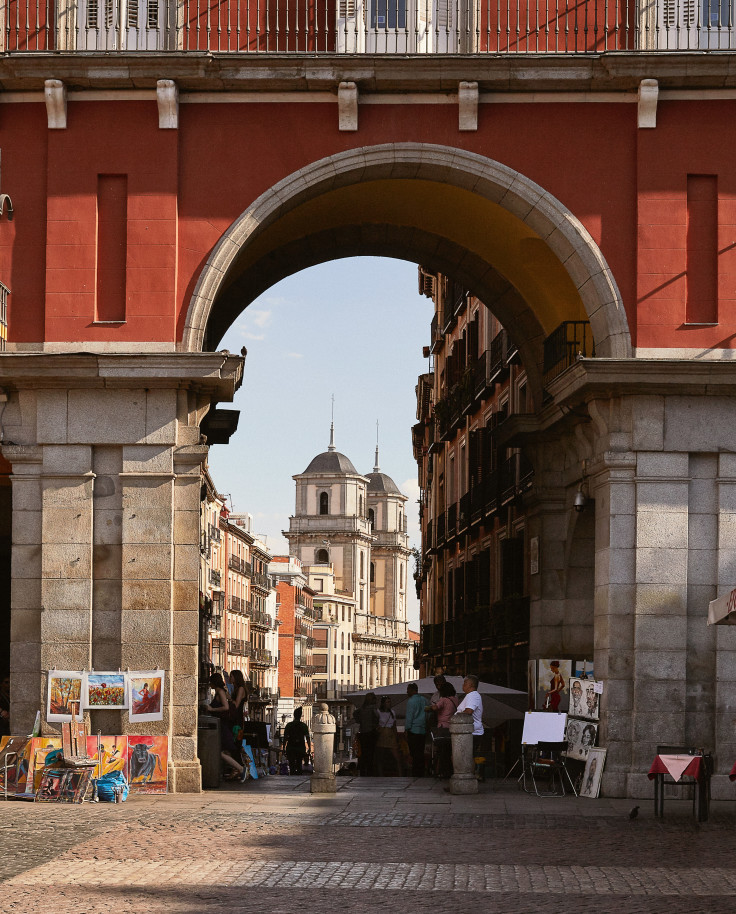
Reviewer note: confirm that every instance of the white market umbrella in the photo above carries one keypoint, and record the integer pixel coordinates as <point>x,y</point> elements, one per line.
<point>723,610</point>
<point>499,703</point>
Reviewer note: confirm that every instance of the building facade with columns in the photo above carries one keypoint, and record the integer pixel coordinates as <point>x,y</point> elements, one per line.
<point>354,525</point>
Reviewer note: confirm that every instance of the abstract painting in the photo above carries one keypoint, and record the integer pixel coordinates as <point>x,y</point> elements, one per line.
<point>65,688</point>
<point>553,689</point>
<point>148,758</point>
<point>113,752</point>
<point>146,695</point>
<point>592,774</point>
<point>104,691</point>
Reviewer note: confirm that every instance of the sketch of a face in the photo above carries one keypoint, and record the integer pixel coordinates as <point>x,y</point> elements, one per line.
<point>573,732</point>
<point>576,692</point>
<point>592,701</point>
<point>587,740</point>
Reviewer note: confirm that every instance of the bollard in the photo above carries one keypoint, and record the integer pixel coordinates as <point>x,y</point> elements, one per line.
<point>461,731</point>
<point>323,737</point>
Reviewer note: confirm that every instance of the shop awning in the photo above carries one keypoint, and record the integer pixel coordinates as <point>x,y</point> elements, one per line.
<point>723,610</point>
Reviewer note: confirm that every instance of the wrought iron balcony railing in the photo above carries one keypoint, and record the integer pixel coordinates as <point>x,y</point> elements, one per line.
<point>422,27</point>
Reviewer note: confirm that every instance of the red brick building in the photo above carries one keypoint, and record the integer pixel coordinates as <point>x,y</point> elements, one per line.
<point>295,612</point>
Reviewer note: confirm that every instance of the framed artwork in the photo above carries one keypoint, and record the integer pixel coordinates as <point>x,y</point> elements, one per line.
<point>577,697</point>
<point>148,758</point>
<point>553,685</point>
<point>104,691</point>
<point>583,669</point>
<point>581,737</point>
<point>64,785</point>
<point>12,752</point>
<point>146,695</point>
<point>64,690</point>
<point>592,774</point>
<point>592,700</point>
<point>33,762</point>
<point>113,752</point>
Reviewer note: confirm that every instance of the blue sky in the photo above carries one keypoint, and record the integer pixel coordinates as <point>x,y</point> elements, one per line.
<point>354,328</point>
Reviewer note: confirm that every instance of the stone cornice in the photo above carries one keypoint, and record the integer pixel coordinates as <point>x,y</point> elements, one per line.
<point>218,374</point>
<point>195,71</point>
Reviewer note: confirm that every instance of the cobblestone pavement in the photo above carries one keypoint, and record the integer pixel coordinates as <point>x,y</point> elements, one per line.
<point>379,845</point>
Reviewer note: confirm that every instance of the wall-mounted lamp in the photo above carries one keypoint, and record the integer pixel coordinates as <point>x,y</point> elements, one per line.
<point>580,500</point>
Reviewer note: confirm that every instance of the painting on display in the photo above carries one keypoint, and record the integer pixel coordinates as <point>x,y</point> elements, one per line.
<point>553,685</point>
<point>104,691</point>
<point>113,752</point>
<point>148,758</point>
<point>33,761</point>
<point>531,683</point>
<point>146,695</point>
<point>583,669</point>
<point>581,737</point>
<point>64,785</point>
<point>64,692</point>
<point>12,752</point>
<point>592,774</point>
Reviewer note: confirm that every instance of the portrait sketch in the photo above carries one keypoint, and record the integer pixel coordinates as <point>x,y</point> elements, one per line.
<point>577,698</point>
<point>581,737</point>
<point>592,775</point>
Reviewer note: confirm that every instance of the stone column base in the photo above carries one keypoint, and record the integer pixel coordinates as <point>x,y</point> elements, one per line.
<point>463,784</point>
<point>323,783</point>
<point>185,777</point>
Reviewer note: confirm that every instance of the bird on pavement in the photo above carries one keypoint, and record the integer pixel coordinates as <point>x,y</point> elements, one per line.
<point>634,812</point>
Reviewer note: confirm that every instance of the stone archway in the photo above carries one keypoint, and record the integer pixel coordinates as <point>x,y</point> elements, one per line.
<point>544,226</point>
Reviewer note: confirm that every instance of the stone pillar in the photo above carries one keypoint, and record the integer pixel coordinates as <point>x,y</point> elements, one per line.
<point>463,779</point>
<point>323,736</point>
<point>106,527</point>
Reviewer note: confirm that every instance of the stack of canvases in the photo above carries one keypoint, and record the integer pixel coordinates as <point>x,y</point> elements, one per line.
<point>142,760</point>
<point>568,686</point>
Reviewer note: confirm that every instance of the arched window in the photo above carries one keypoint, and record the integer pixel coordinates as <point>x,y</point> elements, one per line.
<point>323,503</point>
<point>372,517</point>
<point>323,557</point>
<point>373,572</point>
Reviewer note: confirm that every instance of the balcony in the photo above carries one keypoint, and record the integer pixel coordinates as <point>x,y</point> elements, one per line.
<point>259,656</point>
<point>436,335</point>
<point>368,626</point>
<point>260,619</point>
<point>463,514</point>
<point>451,521</point>
<point>407,27</point>
<point>215,578</point>
<point>562,347</point>
<point>235,563</point>
<point>215,533</point>
<point>236,646</point>
<point>236,605</point>
<point>515,477</point>
<point>440,540</point>
<point>262,581</point>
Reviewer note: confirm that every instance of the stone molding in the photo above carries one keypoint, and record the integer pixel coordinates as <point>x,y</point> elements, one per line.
<point>563,233</point>
<point>648,96</point>
<point>55,95</point>
<point>347,106</point>
<point>167,98</point>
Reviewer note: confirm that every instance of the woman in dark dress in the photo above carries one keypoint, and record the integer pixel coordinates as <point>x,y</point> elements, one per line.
<point>220,707</point>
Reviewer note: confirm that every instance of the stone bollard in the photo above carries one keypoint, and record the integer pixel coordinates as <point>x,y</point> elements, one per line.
<point>323,737</point>
<point>461,731</point>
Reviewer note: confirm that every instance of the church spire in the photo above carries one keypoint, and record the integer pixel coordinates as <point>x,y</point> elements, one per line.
<point>377,468</point>
<point>332,427</point>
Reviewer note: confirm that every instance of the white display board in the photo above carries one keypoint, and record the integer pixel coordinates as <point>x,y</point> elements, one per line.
<point>543,727</point>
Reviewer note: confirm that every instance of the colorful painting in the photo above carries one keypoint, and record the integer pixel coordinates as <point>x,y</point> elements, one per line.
<point>592,774</point>
<point>65,689</point>
<point>113,752</point>
<point>553,685</point>
<point>33,762</point>
<point>64,785</point>
<point>105,691</point>
<point>146,695</point>
<point>581,737</point>
<point>148,758</point>
<point>12,752</point>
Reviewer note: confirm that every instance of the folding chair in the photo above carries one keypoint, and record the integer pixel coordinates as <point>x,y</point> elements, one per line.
<point>547,759</point>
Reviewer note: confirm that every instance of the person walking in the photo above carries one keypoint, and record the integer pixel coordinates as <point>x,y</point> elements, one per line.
<point>416,729</point>
<point>296,742</point>
<point>367,719</point>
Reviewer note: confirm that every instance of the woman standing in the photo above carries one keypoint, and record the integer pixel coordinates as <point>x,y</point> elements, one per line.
<point>388,738</point>
<point>367,719</point>
<point>220,707</point>
<point>238,698</point>
<point>446,707</point>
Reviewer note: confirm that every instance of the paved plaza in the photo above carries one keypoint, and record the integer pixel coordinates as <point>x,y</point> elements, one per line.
<point>379,845</point>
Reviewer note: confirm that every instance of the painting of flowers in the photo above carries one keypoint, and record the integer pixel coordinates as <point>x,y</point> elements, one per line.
<point>104,691</point>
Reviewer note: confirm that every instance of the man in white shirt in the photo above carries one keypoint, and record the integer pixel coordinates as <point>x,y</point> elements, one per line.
<point>473,704</point>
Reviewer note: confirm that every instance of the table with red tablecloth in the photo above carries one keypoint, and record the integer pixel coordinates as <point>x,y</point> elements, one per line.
<point>679,766</point>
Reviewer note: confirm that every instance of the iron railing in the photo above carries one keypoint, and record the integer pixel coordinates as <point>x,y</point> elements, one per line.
<point>422,27</point>
<point>563,346</point>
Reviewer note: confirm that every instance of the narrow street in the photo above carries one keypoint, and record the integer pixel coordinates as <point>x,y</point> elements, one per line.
<point>385,845</point>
